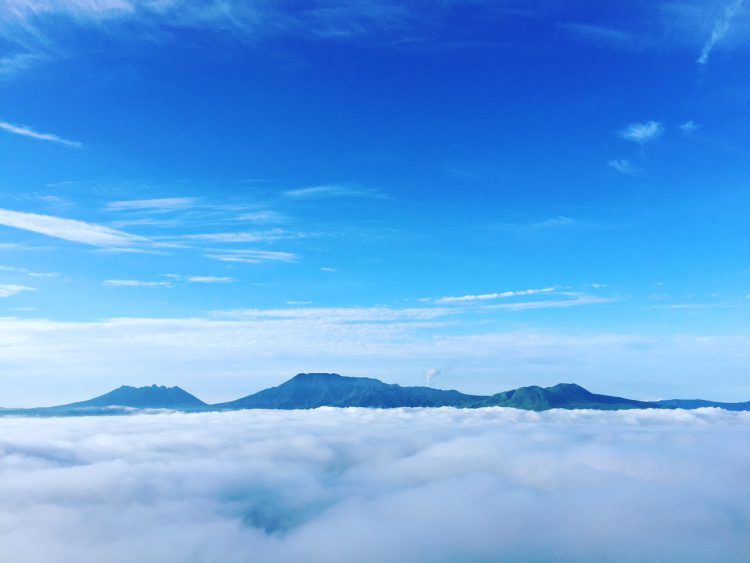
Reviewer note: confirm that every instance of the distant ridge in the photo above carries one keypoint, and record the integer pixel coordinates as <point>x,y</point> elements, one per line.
<point>700,403</point>
<point>313,390</point>
<point>152,397</point>
<point>121,401</point>
<point>562,396</point>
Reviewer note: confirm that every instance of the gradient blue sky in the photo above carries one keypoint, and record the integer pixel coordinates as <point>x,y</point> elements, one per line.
<point>221,194</point>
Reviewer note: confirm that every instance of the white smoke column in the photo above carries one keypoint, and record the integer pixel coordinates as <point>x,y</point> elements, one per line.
<point>430,375</point>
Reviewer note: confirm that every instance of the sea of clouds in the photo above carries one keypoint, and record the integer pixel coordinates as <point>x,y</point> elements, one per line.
<point>377,485</point>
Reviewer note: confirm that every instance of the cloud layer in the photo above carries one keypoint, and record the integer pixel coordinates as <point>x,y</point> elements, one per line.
<point>356,484</point>
<point>242,351</point>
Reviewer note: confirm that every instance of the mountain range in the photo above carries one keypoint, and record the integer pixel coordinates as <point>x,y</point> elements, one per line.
<point>313,390</point>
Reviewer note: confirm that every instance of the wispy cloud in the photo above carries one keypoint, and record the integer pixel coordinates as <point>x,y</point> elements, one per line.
<point>146,222</point>
<point>624,166</point>
<point>558,222</point>
<point>720,29</point>
<point>265,216</point>
<point>689,127</point>
<point>599,33</point>
<point>19,62</point>
<point>328,269</point>
<point>572,300</point>
<point>29,25</point>
<point>492,296</point>
<point>70,230</point>
<point>252,256</point>
<point>29,273</point>
<point>641,132</point>
<point>210,279</point>
<point>10,289</point>
<point>551,224</point>
<point>341,314</point>
<point>157,205</point>
<point>26,131</point>
<point>692,306</point>
<point>135,283</point>
<point>330,191</point>
<point>257,236</point>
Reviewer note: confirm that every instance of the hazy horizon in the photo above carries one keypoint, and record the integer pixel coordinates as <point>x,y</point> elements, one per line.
<point>429,381</point>
<point>217,195</point>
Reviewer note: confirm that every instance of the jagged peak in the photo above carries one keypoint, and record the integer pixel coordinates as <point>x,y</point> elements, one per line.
<point>153,387</point>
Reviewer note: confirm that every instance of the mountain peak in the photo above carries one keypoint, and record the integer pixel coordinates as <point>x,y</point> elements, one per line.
<point>312,390</point>
<point>569,388</point>
<point>153,396</point>
<point>153,386</point>
<point>319,376</point>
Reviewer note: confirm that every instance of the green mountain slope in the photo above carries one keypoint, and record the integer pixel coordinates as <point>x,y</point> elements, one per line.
<point>311,390</point>
<point>561,396</point>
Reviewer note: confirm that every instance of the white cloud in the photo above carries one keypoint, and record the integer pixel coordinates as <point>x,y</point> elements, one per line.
<point>10,289</point>
<point>413,485</point>
<point>332,190</point>
<point>551,224</point>
<point>252,256</point>
<point>135,283</point>
<point>487,296</point>
<point>599,33</point>
<point>689,127</point>
<point>25,131</point>
<point>158,205</point>
<point>265,216</point>
<point>93,9</point>
<point>340,314</point>
<point>573,300</point>
<point>257,236</point>
<point>624,166</point>
<point>29,273</point>
<point>558,222</point>
<point>19,62</point>
<point>642,132</point>
<point>210,279</point>
<point>70,230</point>
<point>720,29</point>
<point>31,28</point>
<point>145,222</point>
<point>328,269</point>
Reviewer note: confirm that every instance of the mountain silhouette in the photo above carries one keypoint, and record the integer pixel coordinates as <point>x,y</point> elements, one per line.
<point>152,397</point>
<point>561,396</point>
<point>700,403</point>
<point>120,401</point>
<point>313,390</point>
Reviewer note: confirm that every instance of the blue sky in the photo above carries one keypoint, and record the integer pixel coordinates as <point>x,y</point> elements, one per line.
<point>221,194</point>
